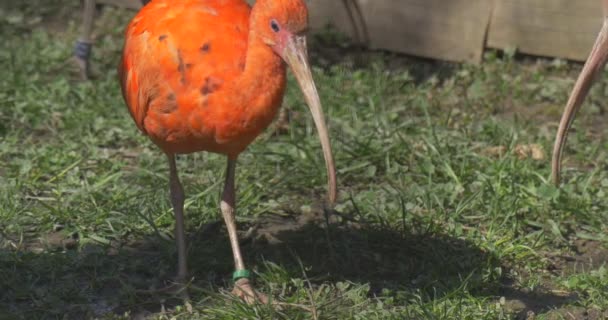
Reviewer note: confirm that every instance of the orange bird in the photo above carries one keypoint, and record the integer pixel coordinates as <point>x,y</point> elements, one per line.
<point>209,75</point>
<point>593,67</point>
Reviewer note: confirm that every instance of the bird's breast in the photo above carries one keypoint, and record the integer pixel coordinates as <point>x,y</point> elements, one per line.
<point>218,118</point>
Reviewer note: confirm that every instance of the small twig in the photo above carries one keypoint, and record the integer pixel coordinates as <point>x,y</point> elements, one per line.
<point>313,309</point>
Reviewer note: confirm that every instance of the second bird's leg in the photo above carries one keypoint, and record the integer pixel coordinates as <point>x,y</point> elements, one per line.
<point>82,49</point>
<point>177,200</point>
<point>242,283</point>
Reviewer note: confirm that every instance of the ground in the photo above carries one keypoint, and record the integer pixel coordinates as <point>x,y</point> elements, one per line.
<point>445,209</point>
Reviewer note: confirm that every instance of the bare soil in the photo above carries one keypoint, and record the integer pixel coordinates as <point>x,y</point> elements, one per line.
<point>586,255</point>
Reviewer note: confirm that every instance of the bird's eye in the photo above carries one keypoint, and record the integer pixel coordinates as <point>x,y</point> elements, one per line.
<point>275,25</point>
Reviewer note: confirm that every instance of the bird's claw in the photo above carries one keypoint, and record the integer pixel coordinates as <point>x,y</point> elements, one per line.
<point>244,290</point>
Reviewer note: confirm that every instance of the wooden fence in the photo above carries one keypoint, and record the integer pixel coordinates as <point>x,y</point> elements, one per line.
<point>460,30</point>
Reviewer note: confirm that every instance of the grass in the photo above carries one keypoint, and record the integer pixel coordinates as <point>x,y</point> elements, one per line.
<point>441,215</point>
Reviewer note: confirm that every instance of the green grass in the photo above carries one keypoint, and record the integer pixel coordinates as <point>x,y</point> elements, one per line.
<point>432,221</point>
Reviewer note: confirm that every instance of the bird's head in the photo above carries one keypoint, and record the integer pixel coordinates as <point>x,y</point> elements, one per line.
<point>276,22</point>
<point>593,67</point>
<point>282,25</point>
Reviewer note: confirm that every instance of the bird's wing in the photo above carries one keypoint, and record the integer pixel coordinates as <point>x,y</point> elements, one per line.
<point>174,50</point>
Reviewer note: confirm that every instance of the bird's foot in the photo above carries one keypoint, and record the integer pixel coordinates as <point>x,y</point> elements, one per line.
<point>244,290</point>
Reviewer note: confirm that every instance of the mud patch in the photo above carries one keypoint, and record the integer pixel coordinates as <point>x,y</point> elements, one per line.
<point>526,305</point>
<point>548,299</point>
<point>576,313</point>
<point>587,255</point>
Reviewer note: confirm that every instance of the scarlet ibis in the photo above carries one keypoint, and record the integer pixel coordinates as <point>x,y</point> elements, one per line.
<point>592,68</point>
<point>209,75</point>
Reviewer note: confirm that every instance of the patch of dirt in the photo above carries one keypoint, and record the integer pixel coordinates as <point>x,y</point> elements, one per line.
<point>575,313</point>
<point>587,255</point>
<point>522,151</point>
<point>526,304</point>
<point>51,241</point>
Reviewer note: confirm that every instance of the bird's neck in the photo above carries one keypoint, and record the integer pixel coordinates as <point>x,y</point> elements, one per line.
<point>256,95</point>
<point>264,69</point>
<point>261,86</point>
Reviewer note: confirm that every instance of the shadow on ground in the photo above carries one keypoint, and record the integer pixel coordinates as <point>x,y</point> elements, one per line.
<point>100,279</point>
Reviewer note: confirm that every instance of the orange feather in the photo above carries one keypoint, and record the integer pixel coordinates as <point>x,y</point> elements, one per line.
<point>188,81</point>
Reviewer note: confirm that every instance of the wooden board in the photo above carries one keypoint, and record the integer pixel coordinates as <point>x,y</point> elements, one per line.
<point>131,4</point>
<point>553,28</point>
<point>453,30</point>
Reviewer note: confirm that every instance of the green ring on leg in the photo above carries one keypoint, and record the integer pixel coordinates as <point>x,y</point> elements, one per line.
<point>240,274</point>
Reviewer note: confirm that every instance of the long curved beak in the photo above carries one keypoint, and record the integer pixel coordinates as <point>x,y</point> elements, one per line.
<point>296,56</point>
<point>593,67</point>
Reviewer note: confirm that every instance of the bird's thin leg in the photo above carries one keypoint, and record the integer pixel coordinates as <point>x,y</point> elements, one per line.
<point>353,21</point>
<point>242,285</point>
<point>82,50</point>
<point>177,200</point>
<point>364,29</point>
<point>227,207</point>
<point>358,21</point>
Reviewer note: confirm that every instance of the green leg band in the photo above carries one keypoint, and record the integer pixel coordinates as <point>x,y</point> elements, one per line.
<point>239,274</point>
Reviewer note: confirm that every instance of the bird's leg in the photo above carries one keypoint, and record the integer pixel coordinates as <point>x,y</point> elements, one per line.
<point>82,49</point>
<point>177,200</point>
<point>358,22</point>
<point>242,285</point>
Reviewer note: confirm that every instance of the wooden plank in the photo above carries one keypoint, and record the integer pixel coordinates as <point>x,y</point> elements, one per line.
<point>554,28</point>
<point>130,4</point>
<point>334,13</point>
<point>453,30</point>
